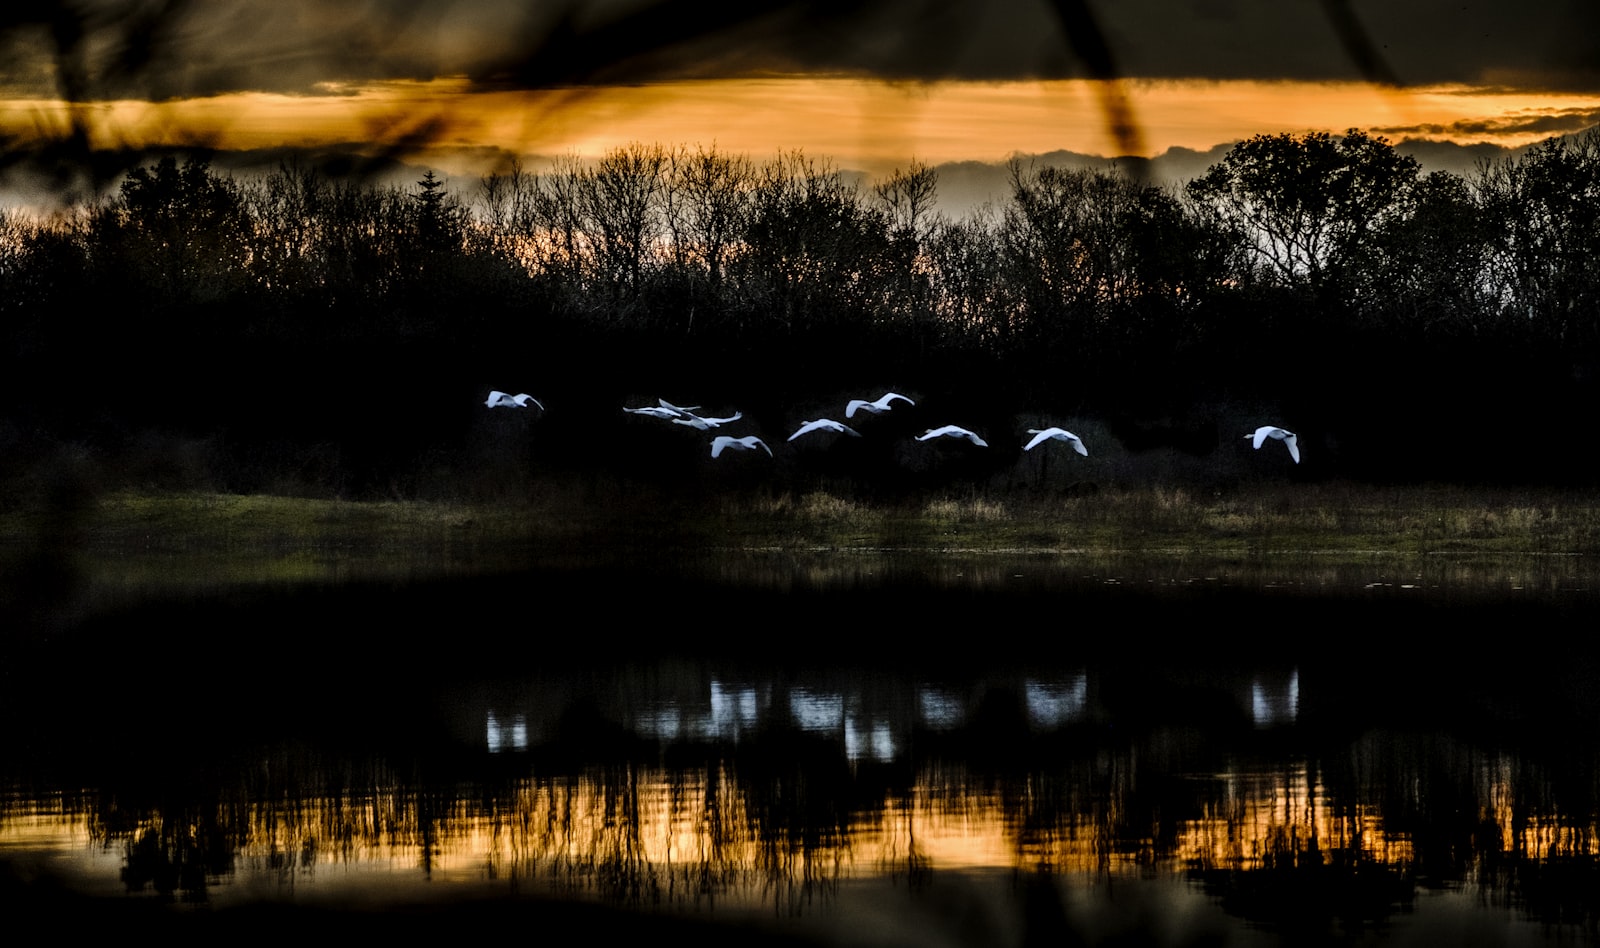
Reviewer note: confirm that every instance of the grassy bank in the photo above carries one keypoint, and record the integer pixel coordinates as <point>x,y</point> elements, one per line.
<point>217,528</point>
<point>1337,517</point>
<point>64,561</point>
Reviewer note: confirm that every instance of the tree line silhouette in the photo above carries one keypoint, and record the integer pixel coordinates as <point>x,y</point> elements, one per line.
<point>1418,326</point>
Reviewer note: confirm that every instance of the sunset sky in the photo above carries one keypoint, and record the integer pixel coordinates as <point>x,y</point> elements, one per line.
<point>463,87</point>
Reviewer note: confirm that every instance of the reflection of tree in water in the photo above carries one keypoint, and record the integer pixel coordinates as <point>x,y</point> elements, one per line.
<point>178,857</point>
<point>179,849</point>
<point>717,828</point>
<point>901,852</point>
<point>801,796</point>
<point>591,836</point>
<point>1316,824</point>
<point>309,809</point>
<point>652,836</point>
<point>1082,818</point>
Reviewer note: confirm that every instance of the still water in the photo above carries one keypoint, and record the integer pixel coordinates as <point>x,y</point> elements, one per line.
<point>840,750</point>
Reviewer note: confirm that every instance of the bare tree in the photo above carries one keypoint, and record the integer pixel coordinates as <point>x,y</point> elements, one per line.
<point>288,244</point>
<point>1545,211</point>
<point>815,252</point>
<point>908,200</point>
<point>555,227</point>
<point>509,201</point>
<point>972,298</point>
<point>707,204</point>
<point>621,202</point>
<point>910,197</point>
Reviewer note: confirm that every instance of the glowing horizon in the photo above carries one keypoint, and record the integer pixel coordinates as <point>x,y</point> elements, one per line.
<point>862,124</point>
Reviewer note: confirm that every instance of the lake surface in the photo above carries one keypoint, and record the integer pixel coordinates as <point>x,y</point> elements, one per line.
<point>824,748</point>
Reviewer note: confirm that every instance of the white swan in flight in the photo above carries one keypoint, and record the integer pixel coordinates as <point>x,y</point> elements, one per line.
<point>502,400</point>
<point>1282,434</point>
<point>952,431</point>
<point>1041,435</point>
<point>703,424</point>
<point>749,443</point>
<point>664,409</point>
<point>654,412</point>
<point>878,407</point>
<point>825,424</point>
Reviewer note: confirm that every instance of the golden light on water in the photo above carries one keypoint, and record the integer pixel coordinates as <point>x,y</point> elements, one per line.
<point>1283,816</point>
<point>675,833</point>
<point>859,123</point>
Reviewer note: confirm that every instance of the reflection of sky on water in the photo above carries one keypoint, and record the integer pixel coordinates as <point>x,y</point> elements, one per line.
<point>573,832</point>
<point>1143,780</point>
<point>753,816</point>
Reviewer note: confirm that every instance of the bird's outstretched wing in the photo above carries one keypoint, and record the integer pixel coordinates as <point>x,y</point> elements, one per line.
<point>1041,435</point>
<point>747,443</point>
<point>652,411</point>
<point>877,407</point>
<point>825,424</point>
<point>953,431</point>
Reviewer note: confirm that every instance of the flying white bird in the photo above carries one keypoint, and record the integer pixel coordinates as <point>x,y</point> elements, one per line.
<point>825,424</point>
<point>737,444</point>
<point>877,408</point>
<point>1041,435</point>
<point>502,400</point>
<point>952,431</point>
<point>664,409</point>
<point>703,424</point>
<point>653,412</point>
<point>1268,431</point>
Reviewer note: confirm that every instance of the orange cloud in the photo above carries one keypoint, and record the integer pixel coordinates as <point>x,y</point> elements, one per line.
<point>859,123</point>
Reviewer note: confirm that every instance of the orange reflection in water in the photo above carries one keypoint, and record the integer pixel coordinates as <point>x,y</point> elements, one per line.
<point>1283,818</point>
<point>652,835</point>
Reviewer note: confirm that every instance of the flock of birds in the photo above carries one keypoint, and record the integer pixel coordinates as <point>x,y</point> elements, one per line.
<point>686,415</point>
